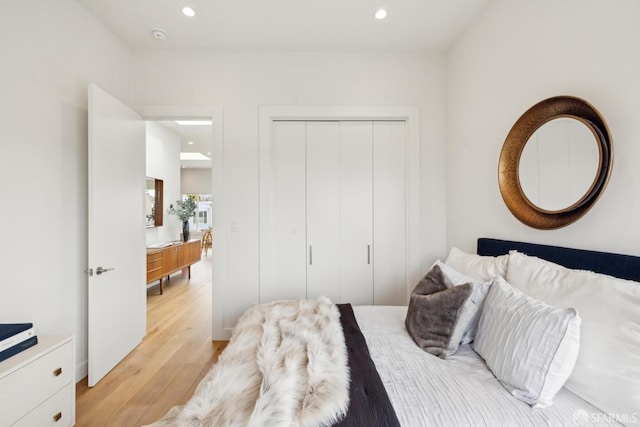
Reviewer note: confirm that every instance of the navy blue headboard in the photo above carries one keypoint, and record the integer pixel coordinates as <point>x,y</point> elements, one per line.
<point>622,266</point>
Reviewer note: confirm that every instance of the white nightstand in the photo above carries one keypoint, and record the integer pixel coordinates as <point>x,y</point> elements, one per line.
<point>37,386</point>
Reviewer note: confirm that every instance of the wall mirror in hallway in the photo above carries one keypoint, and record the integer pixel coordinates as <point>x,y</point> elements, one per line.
<point>153,202</point>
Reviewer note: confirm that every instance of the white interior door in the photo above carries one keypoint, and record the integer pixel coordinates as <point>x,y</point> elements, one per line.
<point>356,206</point>
<point>323,210</point>
<point>117,298</point>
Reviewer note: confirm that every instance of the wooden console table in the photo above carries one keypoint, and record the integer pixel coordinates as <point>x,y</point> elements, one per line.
<point>162,262</point>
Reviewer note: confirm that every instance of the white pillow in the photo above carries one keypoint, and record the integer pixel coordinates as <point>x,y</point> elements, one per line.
<point>469,319</point>
<point>483,268</point>
<point>607,372</point>
<point>529,346</point>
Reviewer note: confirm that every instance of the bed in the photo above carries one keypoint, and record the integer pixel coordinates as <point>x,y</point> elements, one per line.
<point>403,385</point>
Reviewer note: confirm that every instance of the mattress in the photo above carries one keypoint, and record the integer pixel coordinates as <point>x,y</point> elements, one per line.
<point>467,393</point>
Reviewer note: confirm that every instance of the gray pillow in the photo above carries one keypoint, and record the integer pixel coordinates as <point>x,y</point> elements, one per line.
<point>435,309</point>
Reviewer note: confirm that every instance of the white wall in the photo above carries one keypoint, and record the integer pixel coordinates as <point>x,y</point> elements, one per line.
<point>520,52</point>
<point>241,82</point>
<point>195,180</point>
<point>163,162</point>
<point>50,51</point>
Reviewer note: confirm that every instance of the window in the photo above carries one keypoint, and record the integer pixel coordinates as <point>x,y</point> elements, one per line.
<point>203,216</point>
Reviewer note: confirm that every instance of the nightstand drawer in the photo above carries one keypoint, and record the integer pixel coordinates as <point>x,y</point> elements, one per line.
<point>34,382</point>
<point>56,411</point>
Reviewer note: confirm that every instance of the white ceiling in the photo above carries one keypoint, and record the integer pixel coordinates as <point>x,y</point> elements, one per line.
<point>279,25</point>
<point>344,25</point>
<point>200,136</point>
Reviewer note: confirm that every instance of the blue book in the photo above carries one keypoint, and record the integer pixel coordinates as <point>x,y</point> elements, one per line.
<point>7,330</point>
<point>16,339</point>
<point>12,351</point>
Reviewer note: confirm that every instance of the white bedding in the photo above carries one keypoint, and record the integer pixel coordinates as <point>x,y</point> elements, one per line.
<point>467,392</point>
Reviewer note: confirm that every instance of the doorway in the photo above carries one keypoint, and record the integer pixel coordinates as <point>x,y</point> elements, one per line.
<point>179,152</point>
<point>215,115</point>
<point>117,134</point>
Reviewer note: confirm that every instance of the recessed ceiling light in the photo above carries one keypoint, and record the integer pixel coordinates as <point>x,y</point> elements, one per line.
<point>187,11</point>
<point>381,14</point>
<point>194,122</point>
<point>190,142</point>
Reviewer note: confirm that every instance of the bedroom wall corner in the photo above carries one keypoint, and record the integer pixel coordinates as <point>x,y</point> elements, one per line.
<point>514,55</point>
<point>43,125</point>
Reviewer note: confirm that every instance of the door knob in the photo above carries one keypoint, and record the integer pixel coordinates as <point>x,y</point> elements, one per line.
<point>101,270</point>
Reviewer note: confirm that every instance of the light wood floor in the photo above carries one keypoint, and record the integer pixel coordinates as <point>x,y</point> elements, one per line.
<point>164,370</point>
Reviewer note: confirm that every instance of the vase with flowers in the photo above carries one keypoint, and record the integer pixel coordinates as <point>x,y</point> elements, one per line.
<point>184,209</point>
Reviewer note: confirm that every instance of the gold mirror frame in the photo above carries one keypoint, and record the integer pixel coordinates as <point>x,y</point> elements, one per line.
<point>157,205</point>
<point>543,112</point>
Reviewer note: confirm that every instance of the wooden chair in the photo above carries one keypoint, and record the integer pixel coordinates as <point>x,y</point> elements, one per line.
<point>206,241</point>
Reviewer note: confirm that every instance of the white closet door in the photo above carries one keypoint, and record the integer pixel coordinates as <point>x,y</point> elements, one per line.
<point>389,213</point>
<point>323,210</point>
<point>356,224</point>
<point>288,213</point>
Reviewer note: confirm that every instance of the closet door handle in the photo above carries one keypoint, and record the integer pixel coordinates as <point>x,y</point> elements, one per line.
<point>310,255</point>
<point>368,254</point>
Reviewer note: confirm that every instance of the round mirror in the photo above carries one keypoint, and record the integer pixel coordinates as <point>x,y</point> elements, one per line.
<point>555,162</point>
<point>559,164</point>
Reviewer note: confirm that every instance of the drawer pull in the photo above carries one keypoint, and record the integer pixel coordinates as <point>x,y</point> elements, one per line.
<point>57,372</point>
<point>57,417</point>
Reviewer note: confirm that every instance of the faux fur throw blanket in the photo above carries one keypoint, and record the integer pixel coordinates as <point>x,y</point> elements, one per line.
<point>285,365</point>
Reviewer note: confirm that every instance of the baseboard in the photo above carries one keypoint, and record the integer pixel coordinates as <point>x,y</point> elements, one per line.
<point>82,370</point>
